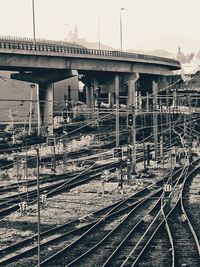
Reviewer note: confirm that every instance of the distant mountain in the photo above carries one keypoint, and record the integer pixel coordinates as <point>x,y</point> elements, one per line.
<point>170,43</point>
<point>93,45</point>
<point>157,52</point>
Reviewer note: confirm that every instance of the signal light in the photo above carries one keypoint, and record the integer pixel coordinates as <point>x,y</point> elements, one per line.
<point>130,119</point>
<point>64,113</point>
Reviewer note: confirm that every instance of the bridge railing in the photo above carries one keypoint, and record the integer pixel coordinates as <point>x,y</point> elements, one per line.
<point>70,48</point>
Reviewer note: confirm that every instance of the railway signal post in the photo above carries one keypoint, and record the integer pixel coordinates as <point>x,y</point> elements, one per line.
<point>132,124</point>
<point>118,153</point>
<point>129,152</point>
<point>38,203</point>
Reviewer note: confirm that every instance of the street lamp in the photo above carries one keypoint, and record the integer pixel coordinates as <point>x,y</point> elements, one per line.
<point>99,34</point>
<point>121,9</point>
<point>33,9</point>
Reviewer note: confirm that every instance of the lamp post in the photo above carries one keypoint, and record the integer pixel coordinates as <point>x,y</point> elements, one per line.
<point>34,40</point>
<point>33,9</point>
<point>121,9</point>
<point>99,34</point>
<point>37,152</point>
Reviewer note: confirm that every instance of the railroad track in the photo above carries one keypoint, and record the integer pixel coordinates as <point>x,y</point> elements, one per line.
<point>6,202</point>
<point>186,243</point>
<point>125,243</point>
<point>191,202</point>
<point>143,199</point>
<point>174,237</point>
<point>63,231</point>
<point>11,205</point>
<point>89,248</point>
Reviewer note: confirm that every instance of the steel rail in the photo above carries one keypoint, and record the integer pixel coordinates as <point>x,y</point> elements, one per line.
<point>158,228</point>
<point>26,241</point>
<point>107,263</point>
<point>187,218</point>
<point>187,175</point>
<point>43,263</point>
<point>150,186</point>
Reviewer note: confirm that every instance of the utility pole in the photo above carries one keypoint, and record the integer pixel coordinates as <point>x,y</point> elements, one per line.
<point>34,40</point>
<point>162,138</point>
<point>170,139</point>
<point>167,102</point>
<point>121,30</point>
<point>117,121</point>
<point>148,154</point>
<point>38,110</point>
<point>26,170</point>
<point>129,152</point>
<point>117,108</point>
<point>155,119</point>
<point>143,135</point>
<point>64,154</point>
<point>38,204</point>
<point>190,134</point>
<point>134,138</point>
<point>147,107</point>
<point>33,10</point>
<point>30,111</point>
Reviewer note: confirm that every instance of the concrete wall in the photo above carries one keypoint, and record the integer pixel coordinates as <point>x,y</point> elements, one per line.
<point>16,90</point>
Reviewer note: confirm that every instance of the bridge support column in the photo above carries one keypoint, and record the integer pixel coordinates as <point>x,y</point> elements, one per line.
<point>132,79</point>
<point>46,97</point>
<point>90,100</point>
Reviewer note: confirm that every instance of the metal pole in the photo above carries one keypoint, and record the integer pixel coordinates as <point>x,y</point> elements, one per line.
<point>38,204</point>
<point>129,164</point>
<point>38,109</point>
<point>17,169</point>
<point>162,139</point>
<point>170,139</point>
<point>121,27</point>
<point>134,138</point>
<point>117,108</point>
<point>121,174</point>
<point>144,154</point>
<point>147,102</point>
<point>26,172</point>
<point>30,112</point>
<point>155,120</point>
<point>33,8</point>
<point>190,134</point>
<point>148,154</point>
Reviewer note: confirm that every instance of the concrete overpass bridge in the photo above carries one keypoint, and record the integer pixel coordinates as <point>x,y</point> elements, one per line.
<point>46,62</point>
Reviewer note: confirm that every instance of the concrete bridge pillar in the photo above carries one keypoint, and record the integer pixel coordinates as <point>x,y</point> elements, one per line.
<point>46,97</point>
<point>90,99</point>
<point>132,79</point>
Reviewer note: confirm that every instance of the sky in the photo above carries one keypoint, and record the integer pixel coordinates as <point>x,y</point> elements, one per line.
<point>145,23</point>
